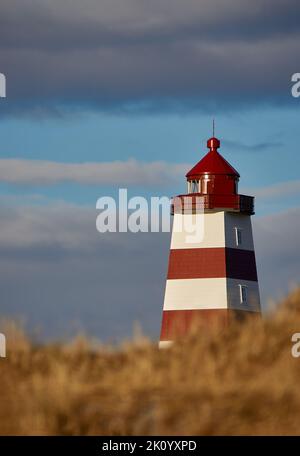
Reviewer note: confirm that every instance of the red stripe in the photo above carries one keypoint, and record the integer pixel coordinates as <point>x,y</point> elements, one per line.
<point>241,264</point>
<point>197,263</point>
<point>178,323</point>
<point>212,263</point>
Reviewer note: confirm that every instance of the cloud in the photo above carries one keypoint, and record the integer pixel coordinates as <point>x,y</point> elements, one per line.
<point>256,147</point>
<point>277,244</point>
<point>61,275</point>
<point>69,26</point>
<point>123,174</point>
<point>120,173</point>
<point>134,56</point>
<point>278,190</point>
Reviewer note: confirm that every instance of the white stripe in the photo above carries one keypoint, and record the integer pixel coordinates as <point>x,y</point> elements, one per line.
<point>213,231</point>
<point>184,294</point>
<point>165,344</point>
<point>218,231</point>
<point>243,222</point>
<point>216,293</point>
<point>234,297</point>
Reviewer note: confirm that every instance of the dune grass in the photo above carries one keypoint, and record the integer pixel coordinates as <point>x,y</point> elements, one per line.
<point>242,380</point>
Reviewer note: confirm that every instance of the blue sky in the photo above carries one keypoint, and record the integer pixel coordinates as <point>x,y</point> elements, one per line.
<point>124,89</point>
<point>261,143</point>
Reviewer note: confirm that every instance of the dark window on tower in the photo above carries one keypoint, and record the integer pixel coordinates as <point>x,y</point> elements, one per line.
<point>238,236</point>
<point>243,294</point>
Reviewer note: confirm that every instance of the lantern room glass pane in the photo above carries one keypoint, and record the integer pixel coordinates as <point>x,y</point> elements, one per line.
<point>194,186</point>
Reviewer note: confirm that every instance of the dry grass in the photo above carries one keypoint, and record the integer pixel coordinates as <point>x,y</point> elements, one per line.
<point>240,381</point>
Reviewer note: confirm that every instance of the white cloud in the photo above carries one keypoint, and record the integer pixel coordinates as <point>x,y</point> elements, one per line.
<point>117,173</point>
<point>277,190</point>
<point>130,172</point>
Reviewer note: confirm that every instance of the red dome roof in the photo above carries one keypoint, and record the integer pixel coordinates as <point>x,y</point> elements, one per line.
<point>212,163</point>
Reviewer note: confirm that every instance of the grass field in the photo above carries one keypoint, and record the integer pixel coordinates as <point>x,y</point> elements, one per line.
<point>240,381</point>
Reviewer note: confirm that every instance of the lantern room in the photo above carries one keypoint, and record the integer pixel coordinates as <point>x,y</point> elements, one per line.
<point>213,175</point>
<point>214,179</point>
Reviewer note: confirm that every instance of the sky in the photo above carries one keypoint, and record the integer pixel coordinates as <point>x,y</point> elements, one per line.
<point>121,93</point>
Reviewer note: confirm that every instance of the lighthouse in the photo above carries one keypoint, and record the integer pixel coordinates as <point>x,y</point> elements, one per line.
<point>213,279</point>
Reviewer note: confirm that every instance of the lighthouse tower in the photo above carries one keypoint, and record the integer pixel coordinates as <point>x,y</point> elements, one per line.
<point>214,278</point>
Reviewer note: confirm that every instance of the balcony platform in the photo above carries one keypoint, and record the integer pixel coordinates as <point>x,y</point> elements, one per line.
<point>189,204</point>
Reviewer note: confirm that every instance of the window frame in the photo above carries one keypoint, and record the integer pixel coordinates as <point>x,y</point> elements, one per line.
<point>238,236</point>
<point>243,293</point>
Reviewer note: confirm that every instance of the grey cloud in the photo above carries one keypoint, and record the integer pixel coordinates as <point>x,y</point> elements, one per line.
<point>277,245</point>
<point>116,54</point>
<point>257,147</point>
<point>67,25</point>
<point>61,275</point>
